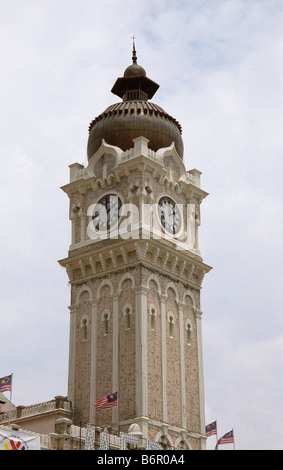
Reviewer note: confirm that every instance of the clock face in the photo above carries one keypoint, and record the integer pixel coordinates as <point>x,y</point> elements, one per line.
<point>169,215</point>
<point>107,212</point>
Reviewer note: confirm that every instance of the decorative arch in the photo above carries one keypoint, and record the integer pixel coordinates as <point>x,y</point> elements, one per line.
<point>127,312</point>
<point>189,330</point>
<point>155,279</point>
<point>163,436</point>
<point>182,443</point>
<point>75,210</point>
<point>105,318</point>
<point>172,286</point>
<point>104,148</point>
<point>81,290</point>
<point>124,278</point>
<point>152,315</point>
<point>188,293</point>
<point>152,310</point>
<point>171,321</point>
<point>84,325</point>
<point>171,151</point>
<point>107,312</point>
<point>127,306</point>
<point>105,282</point>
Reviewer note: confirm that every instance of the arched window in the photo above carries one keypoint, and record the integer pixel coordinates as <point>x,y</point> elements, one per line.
<point>163,441</point>
<point>182,445</point>
<point>171,325</point>
<point>105,317</point>
<point>152,321</point>
<point>188,332</point>
<point>127,319</point>
<point>127,311</point>
<point>152,313</point>
<point>84,328</point>
<point>105,324</point>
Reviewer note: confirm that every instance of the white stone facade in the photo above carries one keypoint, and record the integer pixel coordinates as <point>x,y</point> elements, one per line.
<point>135,315</point>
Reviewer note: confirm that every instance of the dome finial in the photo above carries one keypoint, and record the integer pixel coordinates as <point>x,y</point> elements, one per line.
<point>134,57</point>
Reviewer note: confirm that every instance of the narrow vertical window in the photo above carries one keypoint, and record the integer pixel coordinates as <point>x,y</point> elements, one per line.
<point>189,333</point>
<point>171,326</point>
<point>105,318</point>
<point>127,319</point>
<point>152,319</point>
<point>105,324</point>
<point>84,330</point>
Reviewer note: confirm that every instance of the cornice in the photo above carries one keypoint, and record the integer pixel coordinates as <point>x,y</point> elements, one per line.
<point>153,254</point>
<point>141,158</point>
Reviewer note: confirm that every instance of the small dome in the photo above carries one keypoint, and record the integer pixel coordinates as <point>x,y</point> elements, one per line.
<point>135,430</point>
<point>134,70</point>
<point>122,122</point>
<point>135,116</point>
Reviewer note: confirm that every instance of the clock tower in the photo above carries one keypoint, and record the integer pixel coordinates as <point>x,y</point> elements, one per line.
<point>136,272</point>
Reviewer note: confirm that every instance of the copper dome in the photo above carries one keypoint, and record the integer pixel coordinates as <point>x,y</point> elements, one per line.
<point>122,122</point>
<point>134,70</point>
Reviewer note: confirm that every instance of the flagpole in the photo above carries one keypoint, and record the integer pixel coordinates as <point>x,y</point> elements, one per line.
<point>10,398</point>
<point>216,432</point>
<point>233,440</point>
<point>117,412</point>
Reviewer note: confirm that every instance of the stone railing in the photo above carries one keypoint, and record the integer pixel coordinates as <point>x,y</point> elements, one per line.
<point>59,402</point>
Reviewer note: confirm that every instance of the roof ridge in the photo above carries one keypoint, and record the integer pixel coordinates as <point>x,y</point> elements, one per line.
<point>125,106</point>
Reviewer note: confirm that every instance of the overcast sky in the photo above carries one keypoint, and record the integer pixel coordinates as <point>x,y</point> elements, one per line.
<point>219,66</point>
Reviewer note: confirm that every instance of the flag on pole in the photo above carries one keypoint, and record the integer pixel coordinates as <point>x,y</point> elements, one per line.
<point>228,438</point>
<point>6,383</point>
<point>107,402</point>
<point>210,429</point>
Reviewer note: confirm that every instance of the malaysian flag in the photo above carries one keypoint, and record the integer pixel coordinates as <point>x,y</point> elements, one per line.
<point>107,402</point>
<point>6,383</point>
<point>210,429</point>
<point>228,438</point>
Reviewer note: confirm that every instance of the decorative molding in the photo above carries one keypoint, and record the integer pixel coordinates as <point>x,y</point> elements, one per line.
<point>124,278</point>
<point>139,157</point>
<point>153,254</point>
<point>124,254</point>
<point>113,258</point>
<point>102,261</point>
<point>82,266</point>
<point>105,282</point>
<point>92,264</point>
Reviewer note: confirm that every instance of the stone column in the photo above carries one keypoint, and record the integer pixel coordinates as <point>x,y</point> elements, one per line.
<point>115,364</point>
<point>141,351</point>
<point>93,361</point>
<point>182,365</point>
<point>73,229</point>
<point>163,356</point>
<point>198,314</point>
<point>83,225</point>
<point>72,352</point>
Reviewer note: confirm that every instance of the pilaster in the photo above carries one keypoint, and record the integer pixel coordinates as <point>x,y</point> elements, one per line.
<point>93,361</point>
<point>198,314</point>
<point>115,378</point>
<point>163,356</point>
<point>141,351</point>
<point>72,352</point>
<point>182,366</point>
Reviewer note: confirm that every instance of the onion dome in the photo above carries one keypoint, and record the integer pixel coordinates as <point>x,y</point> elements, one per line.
<point>122,122</point>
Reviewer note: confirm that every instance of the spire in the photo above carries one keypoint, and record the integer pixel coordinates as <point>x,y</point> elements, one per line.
<point>134,85</point>
<point>134,57</point>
